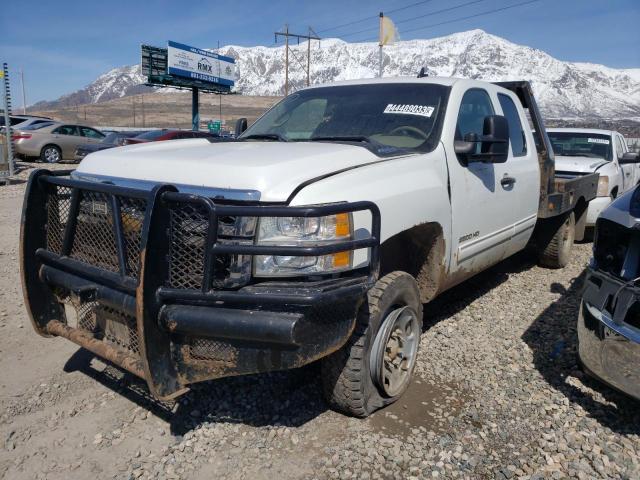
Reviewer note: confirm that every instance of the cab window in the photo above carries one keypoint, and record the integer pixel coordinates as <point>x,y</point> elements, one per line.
<point>66,130</point>
<point>475,105</point>
<point>516,133</point>
<point>90,133</point>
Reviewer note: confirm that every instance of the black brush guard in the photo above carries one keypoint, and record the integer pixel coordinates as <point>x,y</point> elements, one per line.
<point>114,268</point>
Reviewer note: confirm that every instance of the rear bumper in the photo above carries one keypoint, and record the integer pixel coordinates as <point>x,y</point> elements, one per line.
<point>169,336</point>
<point>596,206</point>
<point>26,149</point>
<point>609,343</point>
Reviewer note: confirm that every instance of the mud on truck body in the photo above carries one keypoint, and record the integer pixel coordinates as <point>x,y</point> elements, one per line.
<point>318,234</point>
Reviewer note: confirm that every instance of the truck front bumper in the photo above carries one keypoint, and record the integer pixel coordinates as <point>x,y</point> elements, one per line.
<point>120,301</point>
<point>609,342</point>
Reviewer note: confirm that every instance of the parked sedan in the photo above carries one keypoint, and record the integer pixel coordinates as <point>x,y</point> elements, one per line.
<point>53,142</point>
<point>113,139</point>
<point>19,121</point>
<point>160,135</point>
<point>609,318</point>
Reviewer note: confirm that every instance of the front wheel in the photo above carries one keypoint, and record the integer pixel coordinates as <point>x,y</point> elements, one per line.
<point>50,154</point>
<point>374,368</point>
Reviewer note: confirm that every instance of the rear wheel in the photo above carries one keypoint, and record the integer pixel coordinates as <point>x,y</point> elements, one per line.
<point>374,368</point>
<point>557,252</point>
<point>50,154</point>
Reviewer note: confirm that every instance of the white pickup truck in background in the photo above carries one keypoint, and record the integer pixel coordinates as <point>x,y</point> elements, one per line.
<point>318,234</point>
<point>584,151</point>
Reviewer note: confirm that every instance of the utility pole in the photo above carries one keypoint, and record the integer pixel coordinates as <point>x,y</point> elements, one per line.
<point>143,119</point>
<point>286,61</point>
<point>311,36</point>
<point>219,97</point>
<point>24,98</point>
<point>309,54</point>
<point>4,74</point>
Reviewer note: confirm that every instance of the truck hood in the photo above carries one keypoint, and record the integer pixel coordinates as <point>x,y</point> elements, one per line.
<point>578,164</point>
<point>268,171</point>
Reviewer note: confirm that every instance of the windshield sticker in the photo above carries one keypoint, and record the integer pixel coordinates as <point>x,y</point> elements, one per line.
<point>421,110</point>
<point>604,141</point>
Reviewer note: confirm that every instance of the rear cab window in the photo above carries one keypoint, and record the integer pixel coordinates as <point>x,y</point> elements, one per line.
<point>516,132</point>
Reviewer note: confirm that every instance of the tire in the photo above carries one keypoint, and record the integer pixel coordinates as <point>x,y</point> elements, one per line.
<point>51,154</point>
<point>557,252</point>
<point>347,381</point>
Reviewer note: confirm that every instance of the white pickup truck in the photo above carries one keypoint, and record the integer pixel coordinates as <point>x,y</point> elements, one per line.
<point>318,234</point>
<point>581,151</point>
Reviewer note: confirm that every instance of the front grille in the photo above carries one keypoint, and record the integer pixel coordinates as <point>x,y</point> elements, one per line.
<point>94,242</point>
<point>58,205</point>
<point>612,246</point>
<point>211,349</point>
<point>189,226</point>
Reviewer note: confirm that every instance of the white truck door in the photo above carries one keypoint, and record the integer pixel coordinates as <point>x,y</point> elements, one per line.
<point>520,198</point>
<point>629,170</point>
<point>481,224</point>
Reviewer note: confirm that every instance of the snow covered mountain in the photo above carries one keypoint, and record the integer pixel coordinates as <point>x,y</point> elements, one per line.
<point>563,89</point>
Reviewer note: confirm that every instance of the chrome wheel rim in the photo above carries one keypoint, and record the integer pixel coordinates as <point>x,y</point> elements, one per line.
<point>394,351</point>
<point>51,155</point>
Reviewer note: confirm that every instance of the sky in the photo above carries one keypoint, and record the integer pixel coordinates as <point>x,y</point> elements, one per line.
<point>64,45</point>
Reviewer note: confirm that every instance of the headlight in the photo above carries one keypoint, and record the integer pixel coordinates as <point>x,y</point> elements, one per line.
<point>603,186</point>
<point>303,232</point>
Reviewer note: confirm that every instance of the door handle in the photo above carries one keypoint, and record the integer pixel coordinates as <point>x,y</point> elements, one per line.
<point>507,180</point>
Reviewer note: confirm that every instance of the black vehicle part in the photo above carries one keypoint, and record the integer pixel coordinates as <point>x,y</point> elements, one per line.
<point>142,271</point>
<point>347,379</point>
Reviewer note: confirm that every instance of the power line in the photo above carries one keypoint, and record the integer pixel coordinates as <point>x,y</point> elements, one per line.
<point>461,18</point>
<point>435,12</point>
<point>473,16</point>
<point>286,34</point>
<point>373,17</point>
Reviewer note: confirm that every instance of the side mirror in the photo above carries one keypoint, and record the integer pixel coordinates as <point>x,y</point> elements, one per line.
<point>629,157</point>
<point>494,142</point>
<point>241,126</point>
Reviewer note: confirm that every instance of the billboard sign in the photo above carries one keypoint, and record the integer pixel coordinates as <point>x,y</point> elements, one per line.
<point>154,61</point>
<point>197,64</point>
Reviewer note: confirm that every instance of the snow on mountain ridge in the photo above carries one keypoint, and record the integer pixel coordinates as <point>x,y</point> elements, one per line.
<point>563,89</point>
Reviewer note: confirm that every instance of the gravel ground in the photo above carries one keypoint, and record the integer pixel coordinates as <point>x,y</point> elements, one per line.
<point>498,394</point>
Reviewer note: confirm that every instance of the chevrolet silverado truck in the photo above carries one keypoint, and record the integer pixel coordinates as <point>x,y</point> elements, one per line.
<point>581,151</point>
<point>318,234</point>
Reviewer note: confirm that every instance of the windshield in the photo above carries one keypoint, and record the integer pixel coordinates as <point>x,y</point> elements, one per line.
<point>111,138</point>
<point>152,134</point>
<point>581,144</point>
<point>390,116</point>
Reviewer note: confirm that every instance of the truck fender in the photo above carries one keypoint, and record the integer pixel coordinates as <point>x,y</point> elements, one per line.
<point>412,195</point>
<point>419,251</point>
